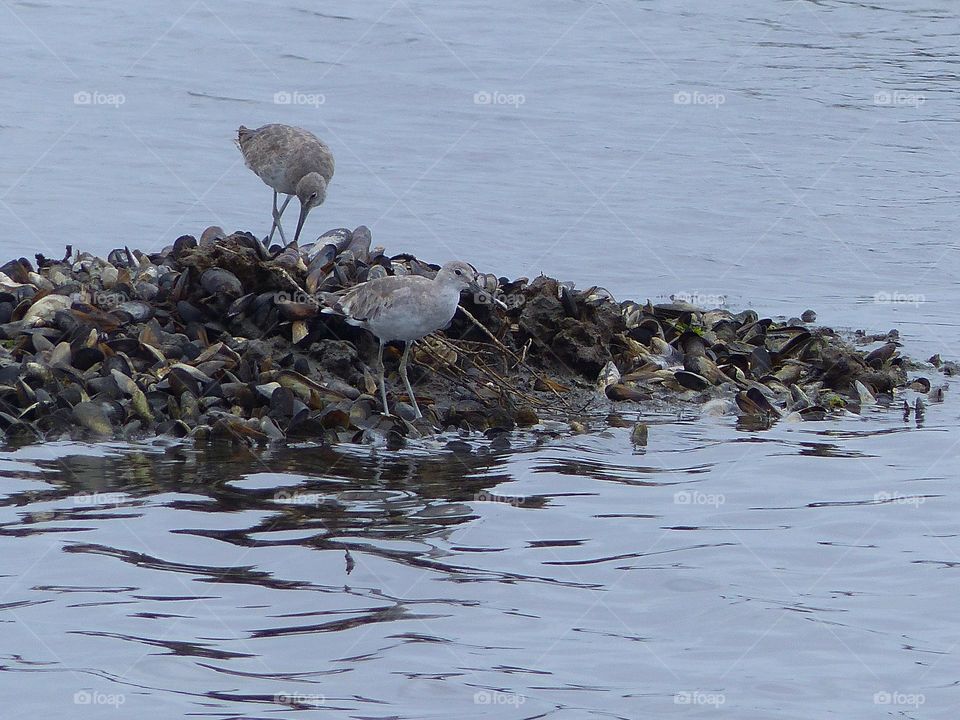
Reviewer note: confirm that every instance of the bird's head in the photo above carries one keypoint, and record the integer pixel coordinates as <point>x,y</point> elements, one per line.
<point>311,191</point>
<point>463,274</point>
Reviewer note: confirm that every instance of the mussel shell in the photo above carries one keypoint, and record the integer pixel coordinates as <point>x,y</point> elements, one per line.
<point>814,412</point>
<point>240,394</point>
<point>211,235</point>
<point>136,310</point>
<point>754,333</point>
<point>691,381</point>
<point>40,342</point>
<point>340,237</point>
<point>597,295</point>
<point>240,305</point>
<point>795,345</point>
<point>753,402</point>
<point>182,244</point>
<point>127,345</point>
<point>146,290</point>
<point>305,424</point>
<point>314,279</point>
<point>360,243</point>
<point>105,386</point>
<point>121,258</point>
<point>878,357</point>
<point>297,310</point>
<point>674,310</point>
<point>94,417</point>
<point>621,391</point>
<point>288,258</point>
<point>41,311</point>
<point>691,343</point>
<point>376,271</point>
<point>117,361</point>
<point>174,428</point>
<point>218,281</point>
<point>920,384</point>
<point>760,361</point>
<point>334,417</point>
<point>17,270</point>
<point>269,428</point>
<point>189,313</point>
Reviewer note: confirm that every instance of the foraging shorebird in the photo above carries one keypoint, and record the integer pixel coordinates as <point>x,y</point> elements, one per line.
<point>403,307</point>
<point>292,161</point>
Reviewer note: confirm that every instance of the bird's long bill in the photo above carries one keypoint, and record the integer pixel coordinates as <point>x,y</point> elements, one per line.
<point>480,291</point>
<point>303,216</point>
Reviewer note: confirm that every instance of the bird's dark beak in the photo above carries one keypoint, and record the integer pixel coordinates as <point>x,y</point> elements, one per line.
<point>479,291</point>
<point>303,216</point>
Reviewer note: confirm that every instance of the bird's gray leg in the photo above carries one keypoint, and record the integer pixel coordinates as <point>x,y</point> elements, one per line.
<point>276,218</point>
<point>383,382</point>
<point>406,380</point>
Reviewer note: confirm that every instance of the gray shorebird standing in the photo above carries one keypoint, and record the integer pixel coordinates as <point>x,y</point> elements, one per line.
<point>403,307</point>
<point>292,161</point>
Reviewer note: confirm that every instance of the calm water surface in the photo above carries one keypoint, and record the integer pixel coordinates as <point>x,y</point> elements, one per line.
<point>779,155</point>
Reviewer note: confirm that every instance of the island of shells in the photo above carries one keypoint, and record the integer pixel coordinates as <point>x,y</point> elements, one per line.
<point>223,338</point>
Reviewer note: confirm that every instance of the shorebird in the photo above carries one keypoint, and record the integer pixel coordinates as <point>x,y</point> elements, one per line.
<point>292,161</point>
<point>403,307</point>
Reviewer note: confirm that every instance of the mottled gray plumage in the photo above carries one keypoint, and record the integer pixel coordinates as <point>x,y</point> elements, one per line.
<point>404,307</point>
<point>292,161</point>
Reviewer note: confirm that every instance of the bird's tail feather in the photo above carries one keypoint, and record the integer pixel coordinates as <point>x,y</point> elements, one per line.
<point>242,134</point>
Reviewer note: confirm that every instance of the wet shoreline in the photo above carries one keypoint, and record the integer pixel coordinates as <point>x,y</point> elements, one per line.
<point>222,338</point>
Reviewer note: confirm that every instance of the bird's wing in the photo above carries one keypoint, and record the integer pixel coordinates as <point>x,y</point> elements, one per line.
<point>368,301</point>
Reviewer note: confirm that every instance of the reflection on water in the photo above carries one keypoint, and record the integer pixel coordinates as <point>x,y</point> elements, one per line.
<point>167,580</point>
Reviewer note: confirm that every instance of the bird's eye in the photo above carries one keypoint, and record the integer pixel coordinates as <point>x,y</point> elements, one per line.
<point>458,272</point>
<point>313,195</point>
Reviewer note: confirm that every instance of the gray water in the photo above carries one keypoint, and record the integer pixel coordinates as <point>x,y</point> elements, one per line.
<point>778,155</point>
